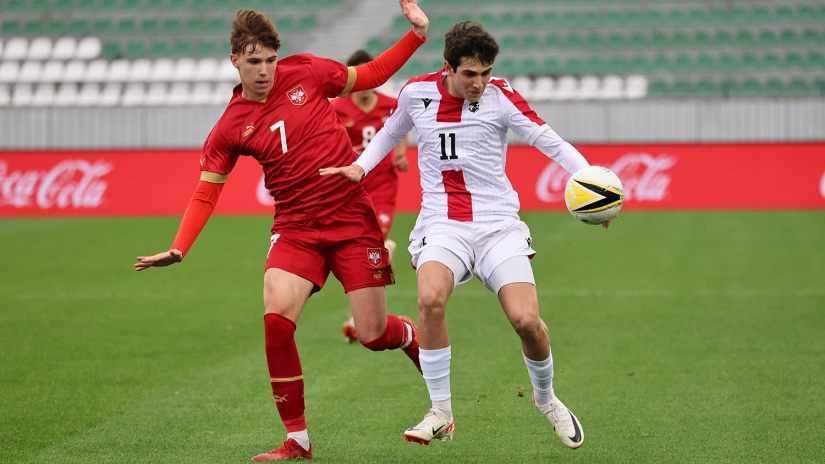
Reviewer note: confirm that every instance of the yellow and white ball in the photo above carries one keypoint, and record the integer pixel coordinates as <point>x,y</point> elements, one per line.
<point>594,195</point>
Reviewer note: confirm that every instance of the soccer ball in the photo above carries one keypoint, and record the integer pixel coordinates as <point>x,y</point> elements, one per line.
<point>594,195</point>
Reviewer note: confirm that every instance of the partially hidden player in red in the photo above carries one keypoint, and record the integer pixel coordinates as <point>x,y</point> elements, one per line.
<point>363,114</point>
<point>281,116</point>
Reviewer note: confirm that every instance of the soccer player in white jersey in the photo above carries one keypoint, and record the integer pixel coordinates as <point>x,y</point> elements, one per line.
<point>469,221</point>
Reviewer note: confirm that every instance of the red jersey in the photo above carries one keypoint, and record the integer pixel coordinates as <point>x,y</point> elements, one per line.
<point>382,183</point>
<point>292,134</point>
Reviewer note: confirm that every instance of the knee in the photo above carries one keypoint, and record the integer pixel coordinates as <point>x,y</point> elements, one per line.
<point>431,303</point>
<point>530,327</point>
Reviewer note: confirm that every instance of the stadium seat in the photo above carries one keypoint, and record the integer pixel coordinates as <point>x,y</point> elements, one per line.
<point>156,94</point>
<point>523,85</point>
<point>140,70</point>
<point>566,88</point>
<point>53,71</point>
<point>88,95</point>
<point>207,69</point>
<point>22,95</point>
<point>64,48</point>
<point>9,70</point>
<point>636,86</point>
<point>40,48</point>
<point>43,95</point>
<point>135,94</point>
<point>88,48</point>
<point>67,95</point>
<point>31,71</point>
<point>16,49</point>
<point>589,88</point>
<point>97,71</point>
<point>178,94</point>
<point>544,88</point>
<point>612,87</point>
<point>118,71</point>
<point>201,94</point>
<point>111,94</point>
<point>162,69</point>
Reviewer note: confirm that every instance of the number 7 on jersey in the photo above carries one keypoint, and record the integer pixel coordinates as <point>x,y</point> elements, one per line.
<point>280,125</point>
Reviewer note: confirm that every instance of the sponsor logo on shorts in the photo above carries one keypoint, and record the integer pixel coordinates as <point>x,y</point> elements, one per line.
<point>374,257</point>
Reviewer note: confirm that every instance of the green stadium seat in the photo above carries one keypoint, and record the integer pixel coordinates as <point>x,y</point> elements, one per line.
<point>11,27</point>
<point>160,48</point>
<point>771,60</point>
<point>110,50</point>
<point>767,37</point>
<point>788,37</point>
<point>657,88</point>
<point>749,87</point>
<point>749,61</point>
<point>705,62</point>
<point>816,60</point>
<point>744,37</point>
<point>135,49</point>
<point>551,66</point>
<point>793,60</point>
<point>784,13</point>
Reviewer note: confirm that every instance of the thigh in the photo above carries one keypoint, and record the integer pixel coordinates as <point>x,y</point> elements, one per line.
<point>285,293</point>
<point>369,311</point>
<point>447,243</point>
<point>499,246</point>
<point>295,249</point>
<point>354,248</point>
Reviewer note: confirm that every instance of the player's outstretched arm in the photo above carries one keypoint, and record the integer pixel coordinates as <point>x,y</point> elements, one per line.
<point>352,172</point>
<point>197,213</point>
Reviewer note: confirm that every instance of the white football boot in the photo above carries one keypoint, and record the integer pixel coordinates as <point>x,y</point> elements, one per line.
<point>564,422</point>
<point>434,426</point>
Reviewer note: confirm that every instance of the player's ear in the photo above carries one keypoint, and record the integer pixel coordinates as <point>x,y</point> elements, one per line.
<point>447,67</point>
<point>234,59</point>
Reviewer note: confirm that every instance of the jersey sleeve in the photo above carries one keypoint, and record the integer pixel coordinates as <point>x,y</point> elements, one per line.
<point>395,128</point>
<point>330,75</point>
<point>219,153</point>
<point>517,114</point>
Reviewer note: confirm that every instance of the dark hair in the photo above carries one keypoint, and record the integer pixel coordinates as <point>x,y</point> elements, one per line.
<point>469,39</point>
<point>252,28</point>
<point>359,57</point>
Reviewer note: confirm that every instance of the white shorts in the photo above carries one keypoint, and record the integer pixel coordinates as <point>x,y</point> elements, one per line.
<point>478,248</point>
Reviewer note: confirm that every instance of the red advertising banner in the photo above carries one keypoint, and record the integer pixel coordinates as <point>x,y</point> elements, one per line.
<point>667,176</point>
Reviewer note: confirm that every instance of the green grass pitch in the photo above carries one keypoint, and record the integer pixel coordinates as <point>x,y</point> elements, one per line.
<point>678,337</point>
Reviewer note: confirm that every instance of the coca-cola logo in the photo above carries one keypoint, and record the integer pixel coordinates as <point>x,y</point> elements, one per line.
<point>69,184</point>
<point>643,177</point>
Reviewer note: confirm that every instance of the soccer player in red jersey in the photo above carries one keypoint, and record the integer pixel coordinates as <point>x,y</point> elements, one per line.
<point>280,115</point>
<point>363,114</point>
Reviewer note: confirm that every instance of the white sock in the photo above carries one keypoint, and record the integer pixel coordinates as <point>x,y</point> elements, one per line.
<point>301,437</point>
<point>435,366</point>
<point>541,376</point>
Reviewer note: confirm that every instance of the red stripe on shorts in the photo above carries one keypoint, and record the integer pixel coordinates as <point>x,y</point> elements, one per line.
<point>459,200</point>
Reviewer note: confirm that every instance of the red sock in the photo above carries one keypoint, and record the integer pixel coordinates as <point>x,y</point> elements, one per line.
<point>285,371</point>
<point>393,336</point>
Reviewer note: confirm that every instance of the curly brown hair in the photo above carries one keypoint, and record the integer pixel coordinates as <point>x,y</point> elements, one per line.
<point>252,28</point>
<point>359,57</point>
<point>469,39</point>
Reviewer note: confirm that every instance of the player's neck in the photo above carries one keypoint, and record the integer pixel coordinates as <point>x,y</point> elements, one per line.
<point>366,101</point>
<point>448,86</point>
<point>247,94</point>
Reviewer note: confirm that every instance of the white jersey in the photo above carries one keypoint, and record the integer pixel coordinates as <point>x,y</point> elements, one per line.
<point>462,147</point>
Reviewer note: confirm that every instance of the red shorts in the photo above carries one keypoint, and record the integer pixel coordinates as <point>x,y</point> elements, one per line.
<point>347,242</point>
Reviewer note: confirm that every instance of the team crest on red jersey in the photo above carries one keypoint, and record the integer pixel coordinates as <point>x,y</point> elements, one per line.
<point>374,257</point>
<point>297,96</point>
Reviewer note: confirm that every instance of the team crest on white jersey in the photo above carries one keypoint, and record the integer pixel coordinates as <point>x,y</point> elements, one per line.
<point>297,96</point>
<point>374,257</point>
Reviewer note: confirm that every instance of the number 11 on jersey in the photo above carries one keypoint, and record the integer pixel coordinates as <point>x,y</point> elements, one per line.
<point>443,138</point>
<point>280,125</point>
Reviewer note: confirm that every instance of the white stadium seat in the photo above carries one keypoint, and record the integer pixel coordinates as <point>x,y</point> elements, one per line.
<point>157,94</point>
<point>111,94</point>
<point>89,94</point>
<point>43,95</point>
<point>207,69</point>
<point>226,72</point>
<point>185,69</point>
<point>75,71</point>
<point>1,48</point>
<point>544,88</point>
<point>221,93</point>
<point>140,70</point>
<point>64,48</point>
<point>589,87</point>
<point>612,87</point>
<point>135,94</point>
<point>40,48</point>
<point>163,70</point>
<point>16,49</point>
<point>31,71</point>
<point>178,94</point>
<point>119,71</point>
<point>567,88</point>
<point>523,85</point>
<point>22,95</point>
<point>66,95</point>
<point>53,71</point>
<point>635,86</point>
<point>9,70</point>
<point>88,48</point>
<point>96,71</point>
<point>5,95</point>
<point>201,94</point>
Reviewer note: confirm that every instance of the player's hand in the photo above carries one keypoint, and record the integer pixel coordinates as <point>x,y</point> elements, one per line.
<point>352,172</point>
<point>415,16</point>
<point>605,225</point>
<point>400,162</point>
<point>159,260</point>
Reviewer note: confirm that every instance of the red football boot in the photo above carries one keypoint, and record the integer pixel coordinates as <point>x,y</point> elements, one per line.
<point>289,450</point>
<point>410,345</point>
